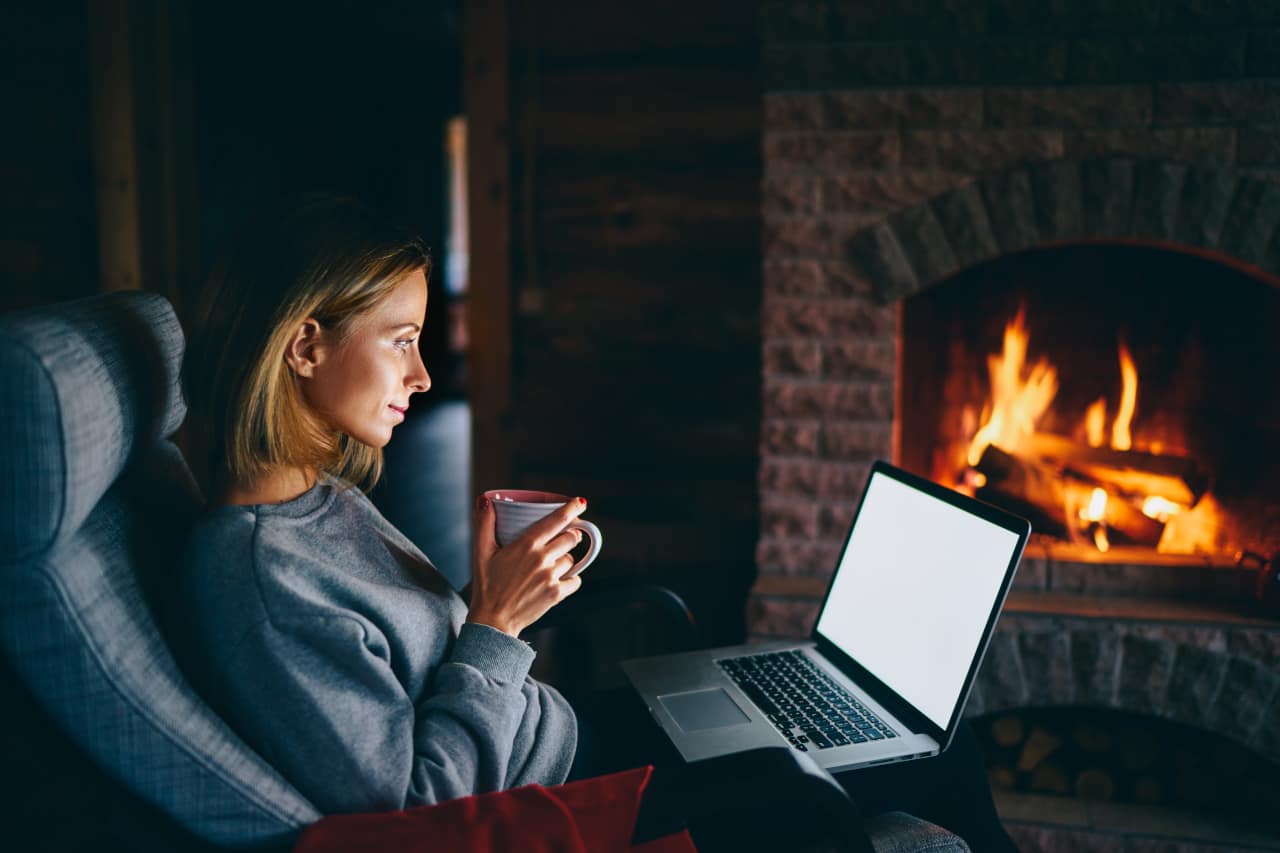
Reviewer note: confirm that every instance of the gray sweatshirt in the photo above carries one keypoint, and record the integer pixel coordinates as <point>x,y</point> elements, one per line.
<point>334,648</point>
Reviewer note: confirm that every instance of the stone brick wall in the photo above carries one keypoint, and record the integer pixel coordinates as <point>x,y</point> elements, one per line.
<point>871,111</point>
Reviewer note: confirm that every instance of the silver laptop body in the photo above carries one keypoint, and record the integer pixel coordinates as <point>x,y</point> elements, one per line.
<point>907,617</point>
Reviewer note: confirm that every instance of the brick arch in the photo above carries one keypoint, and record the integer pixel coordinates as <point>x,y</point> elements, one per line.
<point>1219,212</point>
<point>1218,678</point>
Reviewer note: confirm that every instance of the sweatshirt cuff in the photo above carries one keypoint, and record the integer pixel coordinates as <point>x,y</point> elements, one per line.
<point>500,656</point>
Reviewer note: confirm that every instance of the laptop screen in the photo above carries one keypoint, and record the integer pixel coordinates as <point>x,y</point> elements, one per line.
<point>916,582</point>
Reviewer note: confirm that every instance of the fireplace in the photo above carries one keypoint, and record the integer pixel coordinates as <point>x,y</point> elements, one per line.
<point>1111,173</point>
<point>1117,395</point>
<point>1146,290</point>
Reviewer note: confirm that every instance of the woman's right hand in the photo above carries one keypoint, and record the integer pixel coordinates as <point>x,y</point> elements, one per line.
<point>512,586</point>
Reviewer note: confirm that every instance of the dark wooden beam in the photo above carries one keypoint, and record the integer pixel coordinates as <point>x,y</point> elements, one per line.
<point>115,156</point>
<point>143,148</point>
<point>485,99</point>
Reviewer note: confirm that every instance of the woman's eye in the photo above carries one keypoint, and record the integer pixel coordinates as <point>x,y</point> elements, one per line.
<point>403,346</point>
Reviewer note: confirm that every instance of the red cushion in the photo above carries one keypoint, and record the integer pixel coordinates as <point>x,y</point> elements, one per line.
<point>588,815</point>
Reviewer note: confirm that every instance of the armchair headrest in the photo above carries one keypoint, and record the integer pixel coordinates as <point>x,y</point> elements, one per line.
<point>81,385</point>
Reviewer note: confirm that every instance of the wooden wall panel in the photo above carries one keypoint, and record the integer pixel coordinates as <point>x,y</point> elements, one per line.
<point>485,56</point>
<point>48,236</point>
<point>635,288</point>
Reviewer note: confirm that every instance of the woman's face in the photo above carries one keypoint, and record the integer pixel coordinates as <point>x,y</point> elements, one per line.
<point>361,386</point>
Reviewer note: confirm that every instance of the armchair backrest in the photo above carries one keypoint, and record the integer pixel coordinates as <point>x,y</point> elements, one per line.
<point>94,499</point>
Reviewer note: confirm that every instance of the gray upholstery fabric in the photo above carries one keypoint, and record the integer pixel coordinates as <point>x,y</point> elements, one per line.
<point>82,384</point>
<point>93,502</point>
<point>899,832</point>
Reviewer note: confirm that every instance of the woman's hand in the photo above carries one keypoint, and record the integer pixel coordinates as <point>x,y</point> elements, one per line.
<point>512,586</point>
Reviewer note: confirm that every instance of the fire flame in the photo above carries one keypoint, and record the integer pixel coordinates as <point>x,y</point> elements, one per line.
<point>1095,514</point>
<point>1095,420</point>
<point>1097,508</point>
<point>1022,395</point>
<point>1016,403</point>
<point>1159,508</point>
<point>1120,437</point>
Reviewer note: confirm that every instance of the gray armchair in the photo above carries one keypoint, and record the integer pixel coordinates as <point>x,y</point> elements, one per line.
<point>105,742</point>
<point>94,500</point>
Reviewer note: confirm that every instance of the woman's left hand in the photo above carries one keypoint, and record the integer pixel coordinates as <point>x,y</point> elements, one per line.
<point>514,585</point>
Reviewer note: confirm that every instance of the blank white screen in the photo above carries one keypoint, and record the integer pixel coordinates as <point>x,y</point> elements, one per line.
<point>913,592</point>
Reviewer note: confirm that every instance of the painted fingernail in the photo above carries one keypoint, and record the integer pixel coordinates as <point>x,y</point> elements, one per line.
<point>482,503</point>
<point>582,501</point>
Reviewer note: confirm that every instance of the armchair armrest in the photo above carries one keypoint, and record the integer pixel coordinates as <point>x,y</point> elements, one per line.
<point>611,595</point>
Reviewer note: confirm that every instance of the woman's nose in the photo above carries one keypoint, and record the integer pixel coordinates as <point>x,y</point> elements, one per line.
<point>418,380</point>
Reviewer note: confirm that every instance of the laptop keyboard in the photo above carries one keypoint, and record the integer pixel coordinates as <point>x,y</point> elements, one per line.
<point>802,702</point>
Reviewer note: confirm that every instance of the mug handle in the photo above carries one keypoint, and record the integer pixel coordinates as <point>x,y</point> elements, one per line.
<point>597,539</point>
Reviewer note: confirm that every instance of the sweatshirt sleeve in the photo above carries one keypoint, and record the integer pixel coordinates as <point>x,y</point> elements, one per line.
<point>342,727</point>
<point>546,739</point>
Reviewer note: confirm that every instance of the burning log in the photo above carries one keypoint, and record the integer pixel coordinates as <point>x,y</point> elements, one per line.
<point>1127,525</point>
<point>1179,479</point>
<point>1026,487</point>
<point>1040,491</point>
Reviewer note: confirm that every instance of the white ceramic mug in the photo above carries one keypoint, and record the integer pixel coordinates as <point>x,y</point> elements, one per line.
<point>520,509</point>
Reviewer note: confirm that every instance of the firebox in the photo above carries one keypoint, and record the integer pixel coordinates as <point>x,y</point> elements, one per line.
<point>1121,396</point>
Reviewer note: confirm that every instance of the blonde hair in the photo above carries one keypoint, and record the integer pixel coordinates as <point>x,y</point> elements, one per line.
<point>328,259</point>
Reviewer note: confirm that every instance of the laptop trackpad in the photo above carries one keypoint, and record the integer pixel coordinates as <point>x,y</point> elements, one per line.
<point>703,709</point>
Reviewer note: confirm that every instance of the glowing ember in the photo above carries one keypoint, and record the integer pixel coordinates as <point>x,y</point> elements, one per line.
<point>1194,531</point>
<point>1097,508</point>
<point>1160,509</point>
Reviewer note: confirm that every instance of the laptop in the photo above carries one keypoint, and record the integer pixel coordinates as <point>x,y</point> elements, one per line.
<point>884,677</point>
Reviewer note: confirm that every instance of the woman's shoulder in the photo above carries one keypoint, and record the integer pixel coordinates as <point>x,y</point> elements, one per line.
<point>241,525</point>
<point>220,530</point>
<point>244,565</point>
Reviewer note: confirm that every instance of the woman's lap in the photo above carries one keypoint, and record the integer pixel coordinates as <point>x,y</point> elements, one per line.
<point>950,790</point>
<point>615,732</point>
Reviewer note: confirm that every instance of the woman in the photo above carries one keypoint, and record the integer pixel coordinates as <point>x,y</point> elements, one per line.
<point>324,637</point>
<point>315,628</point>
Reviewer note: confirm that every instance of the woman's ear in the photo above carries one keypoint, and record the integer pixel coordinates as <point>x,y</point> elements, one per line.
<point>306,348</point>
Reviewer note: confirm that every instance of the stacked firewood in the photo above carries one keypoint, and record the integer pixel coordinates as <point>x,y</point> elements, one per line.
<point>1104,755</point>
